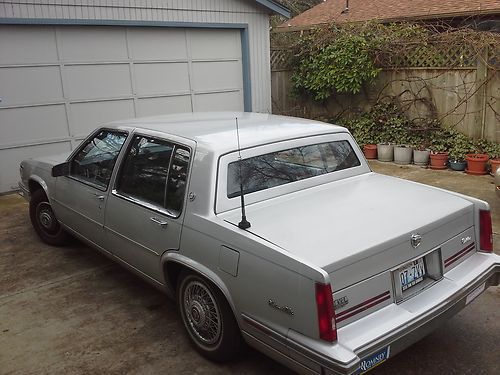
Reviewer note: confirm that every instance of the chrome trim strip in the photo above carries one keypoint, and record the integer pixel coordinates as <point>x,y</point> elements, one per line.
<point>363,306</point>
<point>452,259</point>
<point>149,206</point>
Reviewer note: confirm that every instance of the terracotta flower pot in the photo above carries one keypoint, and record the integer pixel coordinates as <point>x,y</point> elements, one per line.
<point>476,163</point>
<point>370,151</point>
<point>495,165</point>
<point>439,160</point>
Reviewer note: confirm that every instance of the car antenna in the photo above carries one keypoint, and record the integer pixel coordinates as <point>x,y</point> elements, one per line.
<point>243,224</point>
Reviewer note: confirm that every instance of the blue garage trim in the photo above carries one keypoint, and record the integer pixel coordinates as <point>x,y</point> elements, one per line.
<point>245,62</point>
<point>275,7</point>
<point>245,47</point>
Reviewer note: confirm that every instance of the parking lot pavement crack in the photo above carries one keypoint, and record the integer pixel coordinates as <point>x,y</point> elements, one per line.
<point>55,281</point>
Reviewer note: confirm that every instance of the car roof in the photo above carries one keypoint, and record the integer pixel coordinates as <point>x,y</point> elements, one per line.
<point>217,130</point>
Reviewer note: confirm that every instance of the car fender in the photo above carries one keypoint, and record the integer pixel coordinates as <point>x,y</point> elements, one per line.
<point>200,269</point>
<point>41,182</point>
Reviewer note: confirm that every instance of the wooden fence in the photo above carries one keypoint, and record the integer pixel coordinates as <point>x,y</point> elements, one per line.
<point>457,87</point>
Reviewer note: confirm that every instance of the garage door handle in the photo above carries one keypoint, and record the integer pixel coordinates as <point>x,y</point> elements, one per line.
<point>161,223</point>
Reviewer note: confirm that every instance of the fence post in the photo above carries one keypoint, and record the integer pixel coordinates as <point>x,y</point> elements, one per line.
<point>481,99</point>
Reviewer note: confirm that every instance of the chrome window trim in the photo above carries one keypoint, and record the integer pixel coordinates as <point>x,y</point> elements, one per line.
<point>158,209</point>
<point>149,206</point>
<point>83,144</point>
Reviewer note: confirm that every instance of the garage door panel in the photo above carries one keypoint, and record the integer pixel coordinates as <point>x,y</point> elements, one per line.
<point>27,85</point>
<point>217,75</point>
<point>224,101</point>
<point>160,45</point>
<point>85,117</point>
<point>164,105</point>
<point>228,44</point>
<point>64,81</point>
<point>11,158</point>
<point>32,124</point>
<point>27,45</point>
<point>161,78</point>
<point>87,44</point>
<point>97,81</point>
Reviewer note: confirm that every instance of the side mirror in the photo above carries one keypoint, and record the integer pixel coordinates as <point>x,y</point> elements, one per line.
<point>60,169</point>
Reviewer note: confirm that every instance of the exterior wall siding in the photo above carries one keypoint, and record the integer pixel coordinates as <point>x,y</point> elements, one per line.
<point>212,12</point>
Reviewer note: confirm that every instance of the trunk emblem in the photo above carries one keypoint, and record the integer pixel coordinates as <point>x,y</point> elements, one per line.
<point>415,240</point>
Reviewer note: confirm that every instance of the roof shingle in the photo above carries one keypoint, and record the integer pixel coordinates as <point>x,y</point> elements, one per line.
<point>391,10</point>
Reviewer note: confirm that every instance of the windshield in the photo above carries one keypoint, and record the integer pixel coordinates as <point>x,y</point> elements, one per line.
<point>285,166</point>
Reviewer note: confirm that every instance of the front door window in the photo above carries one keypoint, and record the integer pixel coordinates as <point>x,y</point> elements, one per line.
<point>94,163</point>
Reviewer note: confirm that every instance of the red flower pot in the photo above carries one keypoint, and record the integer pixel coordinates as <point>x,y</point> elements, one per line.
<point>495,164</point>
<point>439,160</point>
<point>476,163</point>
<point>370,151</point>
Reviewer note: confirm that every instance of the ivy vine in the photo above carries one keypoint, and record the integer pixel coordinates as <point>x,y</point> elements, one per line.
<point>342,66</point>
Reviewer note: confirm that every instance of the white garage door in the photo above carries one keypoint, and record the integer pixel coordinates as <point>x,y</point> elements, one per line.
<point>57,83</point>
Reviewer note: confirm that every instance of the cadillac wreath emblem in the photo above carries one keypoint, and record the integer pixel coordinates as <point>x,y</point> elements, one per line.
<point>415,240</point>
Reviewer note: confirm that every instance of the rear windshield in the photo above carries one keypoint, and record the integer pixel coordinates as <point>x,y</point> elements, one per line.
<point>285,166</point>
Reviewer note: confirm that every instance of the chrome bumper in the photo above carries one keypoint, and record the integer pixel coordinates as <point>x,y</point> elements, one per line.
<point>308,356</point>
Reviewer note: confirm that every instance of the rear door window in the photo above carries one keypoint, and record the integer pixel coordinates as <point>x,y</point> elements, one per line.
<point>155,172</point>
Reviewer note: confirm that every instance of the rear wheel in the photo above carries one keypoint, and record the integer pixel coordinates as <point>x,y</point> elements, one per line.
<point>208,319</point>
<point>45,222</point>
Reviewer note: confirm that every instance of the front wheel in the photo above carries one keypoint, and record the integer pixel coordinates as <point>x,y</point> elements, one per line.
<point>208,319</point>
<point>45,222</point>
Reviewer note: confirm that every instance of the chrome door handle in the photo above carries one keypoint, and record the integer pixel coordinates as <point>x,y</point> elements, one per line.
<point>99,196</point>
<point>161,223</point>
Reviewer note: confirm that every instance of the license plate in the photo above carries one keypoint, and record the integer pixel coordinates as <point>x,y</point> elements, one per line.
<point>374,360</point>
<point>411,273</point>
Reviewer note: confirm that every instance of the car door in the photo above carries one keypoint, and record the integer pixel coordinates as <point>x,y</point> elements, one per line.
<point>144,212</point>
<point>80,197</point>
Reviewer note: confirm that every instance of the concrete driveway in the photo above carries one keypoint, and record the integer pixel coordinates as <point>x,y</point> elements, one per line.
<point>72,311</point>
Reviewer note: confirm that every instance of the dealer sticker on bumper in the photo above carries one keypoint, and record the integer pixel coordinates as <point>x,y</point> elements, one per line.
<point>374,360</point>
<point>475,293</point>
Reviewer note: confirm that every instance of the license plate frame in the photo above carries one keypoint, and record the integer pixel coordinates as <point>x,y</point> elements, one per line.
<point>411,273</point>
<point>373,360</point>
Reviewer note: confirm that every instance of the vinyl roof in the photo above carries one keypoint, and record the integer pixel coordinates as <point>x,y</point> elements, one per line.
<point>217,130</point>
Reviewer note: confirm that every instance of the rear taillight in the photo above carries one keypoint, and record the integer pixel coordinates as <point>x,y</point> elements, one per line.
<point>485,231</point>
<point>326,315</point>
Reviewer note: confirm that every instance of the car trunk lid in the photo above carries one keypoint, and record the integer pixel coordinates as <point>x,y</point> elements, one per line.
<point>345,226</point>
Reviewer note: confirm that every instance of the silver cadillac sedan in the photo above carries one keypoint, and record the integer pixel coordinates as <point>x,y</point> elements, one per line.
<point>271,231</point>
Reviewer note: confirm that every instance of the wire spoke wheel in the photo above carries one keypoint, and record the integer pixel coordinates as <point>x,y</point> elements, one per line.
<point>202,313</point>
<point>46,218</point>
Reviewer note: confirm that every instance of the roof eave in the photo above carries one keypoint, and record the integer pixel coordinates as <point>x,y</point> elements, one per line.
<point>275,7</point>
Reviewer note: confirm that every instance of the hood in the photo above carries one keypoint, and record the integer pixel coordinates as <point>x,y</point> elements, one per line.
<point>339,223</point>
<point>53,159</point>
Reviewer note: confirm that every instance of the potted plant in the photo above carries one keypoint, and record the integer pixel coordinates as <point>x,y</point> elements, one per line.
<point>439,159</point>
<point>403,154</point>
<point>494,152</point>
<point>461,146</point>
<point>477,162</point>
<point>385,151</point>
<point>421,155</point>
<point>370,150</point>
<point>362,130</point>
